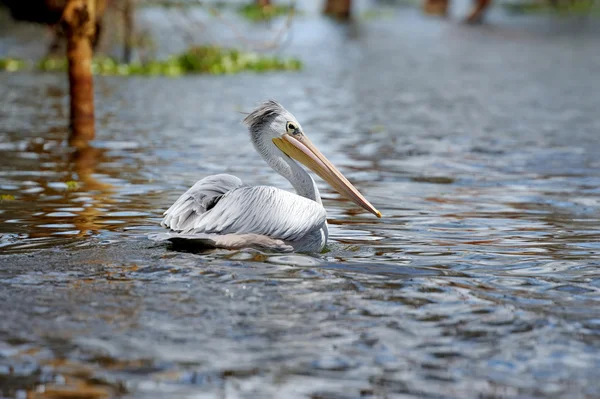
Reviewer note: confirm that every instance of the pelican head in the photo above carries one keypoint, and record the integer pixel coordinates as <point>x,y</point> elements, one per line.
<point>272,121</point>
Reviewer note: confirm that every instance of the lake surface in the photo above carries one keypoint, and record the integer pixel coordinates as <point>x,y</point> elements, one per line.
<point>479,145</point>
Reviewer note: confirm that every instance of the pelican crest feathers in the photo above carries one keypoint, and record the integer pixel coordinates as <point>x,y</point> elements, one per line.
<point>264,113</point>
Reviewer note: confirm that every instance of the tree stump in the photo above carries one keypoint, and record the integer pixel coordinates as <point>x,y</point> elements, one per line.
<point>436,7</point>
<point>78,21</point>
<point>340,9</point>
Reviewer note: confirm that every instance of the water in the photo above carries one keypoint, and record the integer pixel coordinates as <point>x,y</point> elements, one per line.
<point>479,146</point>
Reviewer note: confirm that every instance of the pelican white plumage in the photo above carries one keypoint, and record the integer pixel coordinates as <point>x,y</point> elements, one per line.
<point>220,211</point>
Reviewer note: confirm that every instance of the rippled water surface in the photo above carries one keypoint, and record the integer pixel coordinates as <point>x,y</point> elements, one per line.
<point>480,146</point>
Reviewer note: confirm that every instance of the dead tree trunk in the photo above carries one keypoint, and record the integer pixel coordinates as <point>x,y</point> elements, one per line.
<point>338,8</point>
<point>79,24</point>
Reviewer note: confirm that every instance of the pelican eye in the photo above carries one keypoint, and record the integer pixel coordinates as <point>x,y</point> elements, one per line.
<point>291,127</point>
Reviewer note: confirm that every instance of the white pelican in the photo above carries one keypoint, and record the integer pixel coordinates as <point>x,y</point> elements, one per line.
<point>220,211</point>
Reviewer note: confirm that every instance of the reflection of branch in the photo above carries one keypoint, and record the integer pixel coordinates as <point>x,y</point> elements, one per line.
<point>84,163</point>
<point>188,35</point>
<point>277,41</point>
<point>267,45</point>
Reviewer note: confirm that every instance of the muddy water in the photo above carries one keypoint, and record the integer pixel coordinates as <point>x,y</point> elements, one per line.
<point>479,146</point>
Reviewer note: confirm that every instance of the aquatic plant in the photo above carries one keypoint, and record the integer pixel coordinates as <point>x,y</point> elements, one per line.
<point>202,59</point>
<point>11,64</point>
<point>560,8</point>
<point>255,12</point>
<point>215,60</point>
<point>72,185</point>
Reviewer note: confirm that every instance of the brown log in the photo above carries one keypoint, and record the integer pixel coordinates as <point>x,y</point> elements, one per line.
<point>340,9</point>
<point>79,24</point>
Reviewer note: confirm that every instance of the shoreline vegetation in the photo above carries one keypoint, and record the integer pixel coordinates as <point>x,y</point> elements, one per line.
<point>213,60</point>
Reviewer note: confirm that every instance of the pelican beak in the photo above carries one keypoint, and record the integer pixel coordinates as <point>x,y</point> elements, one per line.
<point>301,149</point>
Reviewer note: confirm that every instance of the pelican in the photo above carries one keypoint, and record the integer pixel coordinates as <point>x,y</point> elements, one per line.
<point>220,211</point>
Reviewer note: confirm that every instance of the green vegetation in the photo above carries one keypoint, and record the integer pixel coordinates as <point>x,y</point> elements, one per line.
<point>6,197</point>
<point>11,64</point>
<point>203,59</point>
<point>580,7</point>
<point>182,4</point>
<point>209,59</point>
<point>254,12</point>
<point>251,11</point>
<point>72,185</point>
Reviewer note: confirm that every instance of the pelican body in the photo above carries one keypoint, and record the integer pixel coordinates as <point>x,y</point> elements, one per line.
<point>220,211</point>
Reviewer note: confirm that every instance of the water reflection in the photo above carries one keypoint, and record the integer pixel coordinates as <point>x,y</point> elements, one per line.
<point>72,195</point>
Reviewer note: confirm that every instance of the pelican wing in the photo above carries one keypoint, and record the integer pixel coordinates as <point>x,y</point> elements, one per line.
<point>262,210</point>
<point>200,198</point>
